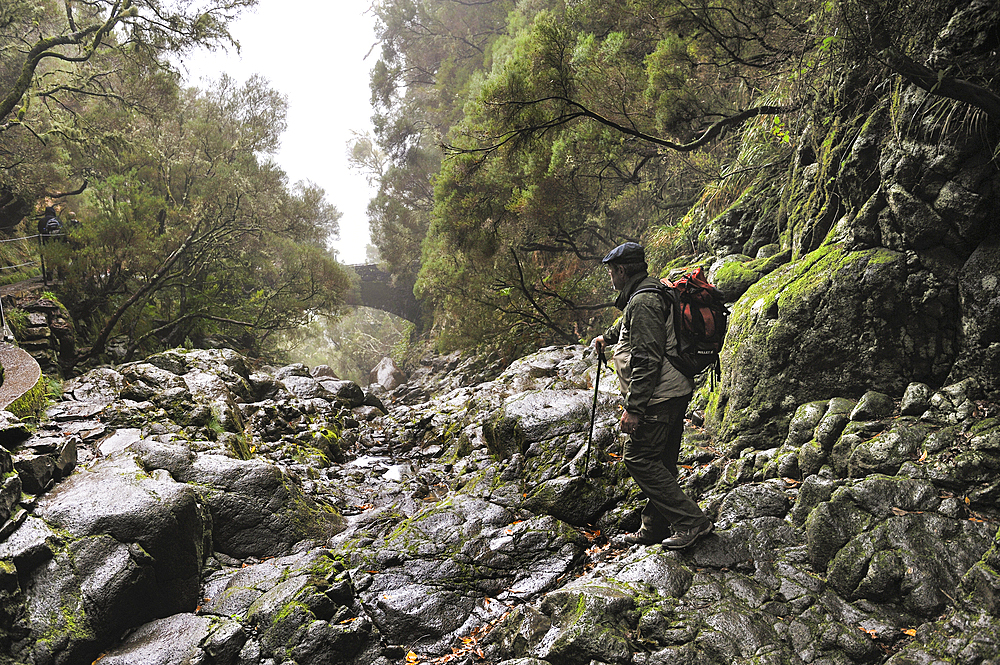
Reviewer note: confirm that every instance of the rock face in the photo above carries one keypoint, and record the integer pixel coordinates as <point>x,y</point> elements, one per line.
<point>466,526</point>
<point>879,274</point>
<point>387,375</point>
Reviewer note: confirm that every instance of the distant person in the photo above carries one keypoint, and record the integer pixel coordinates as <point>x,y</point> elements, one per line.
<point>656,397</point>
<point>49,224</point>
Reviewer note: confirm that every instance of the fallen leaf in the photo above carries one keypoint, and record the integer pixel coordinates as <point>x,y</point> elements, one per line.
<point>910,631</point>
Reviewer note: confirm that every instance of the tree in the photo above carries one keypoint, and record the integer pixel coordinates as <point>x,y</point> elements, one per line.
<point>190,232</point>
<point>56,57</point>
<point>596,124</point>
<point>431,50</point>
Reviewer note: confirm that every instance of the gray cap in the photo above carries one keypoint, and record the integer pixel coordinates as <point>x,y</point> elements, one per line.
<point>629,252</point>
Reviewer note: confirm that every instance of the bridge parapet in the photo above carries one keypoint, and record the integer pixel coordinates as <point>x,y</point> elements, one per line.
<point>377,290</point>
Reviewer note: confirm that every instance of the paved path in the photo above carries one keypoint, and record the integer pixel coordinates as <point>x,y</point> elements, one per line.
<point>20,373</point>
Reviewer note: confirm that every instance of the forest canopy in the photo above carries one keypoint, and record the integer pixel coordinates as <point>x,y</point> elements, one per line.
<point>519,141</point>
<point>188,230</point>
<point>514,143</point>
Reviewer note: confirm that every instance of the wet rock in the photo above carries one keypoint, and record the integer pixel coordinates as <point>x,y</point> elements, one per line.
<point>873,406</point>
<point>304,387</point>
<point>953,404</point>
<point>591,620</point>
<point>348,393</point>
<point>144,646</point>
<point>916,400</point>
<point>13,432</point>
<point>886,452</point>
<point>387,374</point>
<point>534,416</point>
<point>98,387</point>
<point>255,511</point>
<point>322,371</point>
<point>572,500</point>
<point>752,501</point>
<point>35,471</point>
<point>112,564</point>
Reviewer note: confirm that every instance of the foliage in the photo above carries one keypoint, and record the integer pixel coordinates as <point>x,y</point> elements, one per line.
<point>352,344</point>
<point>19,260</point>
<point>58,58</point>
<point>568,128</point>
<point>17,320</point>
<point>579,127</point>
<point>188,230</point>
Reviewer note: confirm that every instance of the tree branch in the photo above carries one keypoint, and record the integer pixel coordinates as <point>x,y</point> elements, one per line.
<point>937,83</point>
<point>582,111</point>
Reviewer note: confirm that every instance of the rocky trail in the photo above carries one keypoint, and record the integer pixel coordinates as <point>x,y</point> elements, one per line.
<point>193,508</point>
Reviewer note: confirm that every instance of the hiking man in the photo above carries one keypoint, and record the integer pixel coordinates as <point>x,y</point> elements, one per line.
<point>49,224</point>
<point>656,397</point>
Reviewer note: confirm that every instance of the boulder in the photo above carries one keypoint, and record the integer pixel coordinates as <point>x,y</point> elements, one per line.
<point>112,564</point>
<point>534,416</point>
<point>833,323</point>
<point>387,375</point>
<point>323,371</point>
<point>254,508</point>
<point>13,432</point>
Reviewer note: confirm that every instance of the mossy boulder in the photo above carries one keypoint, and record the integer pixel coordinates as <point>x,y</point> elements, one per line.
<point>535,416</point>
<point>594,622</point>
<point>735,274</point>
<point>834,322</point>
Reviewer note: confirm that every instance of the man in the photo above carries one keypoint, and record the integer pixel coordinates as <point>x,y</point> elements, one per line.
<point>656,397</point>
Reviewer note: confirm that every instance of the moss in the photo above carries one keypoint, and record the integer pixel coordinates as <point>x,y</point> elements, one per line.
<point>735,271</point>
<point>983,426</point>
<point>31,404</point>
<point>766,330</point>
<point>312,519</point>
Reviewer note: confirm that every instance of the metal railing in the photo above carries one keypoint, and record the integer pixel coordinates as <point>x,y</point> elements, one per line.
<point>8,334</point>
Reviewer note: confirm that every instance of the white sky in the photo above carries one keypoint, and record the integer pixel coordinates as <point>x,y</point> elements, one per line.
<point>314,53</point>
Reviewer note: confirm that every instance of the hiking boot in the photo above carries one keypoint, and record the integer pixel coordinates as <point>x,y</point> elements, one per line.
<point>638,538</point>
<point>686,537</point>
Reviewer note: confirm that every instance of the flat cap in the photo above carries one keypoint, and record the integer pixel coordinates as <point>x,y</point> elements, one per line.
<point>629,252</point>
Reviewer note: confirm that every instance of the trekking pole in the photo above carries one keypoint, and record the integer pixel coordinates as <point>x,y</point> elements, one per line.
<point>593,410</point>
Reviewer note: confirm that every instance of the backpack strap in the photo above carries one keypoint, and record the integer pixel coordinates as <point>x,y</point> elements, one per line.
<point>673,303</point>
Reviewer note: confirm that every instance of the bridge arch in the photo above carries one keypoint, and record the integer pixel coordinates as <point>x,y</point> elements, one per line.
<point>378,290</point>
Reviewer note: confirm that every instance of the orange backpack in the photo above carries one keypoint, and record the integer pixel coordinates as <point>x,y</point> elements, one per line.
<point>700,321</point>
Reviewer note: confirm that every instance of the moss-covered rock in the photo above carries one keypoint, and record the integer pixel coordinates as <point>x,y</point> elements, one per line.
<point>829,323</point>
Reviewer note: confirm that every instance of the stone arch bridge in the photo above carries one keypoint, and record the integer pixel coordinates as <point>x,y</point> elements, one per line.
<point>376,289</point>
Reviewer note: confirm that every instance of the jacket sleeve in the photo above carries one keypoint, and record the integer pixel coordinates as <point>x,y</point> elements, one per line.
<point>646,318</point>
<point>612,334</point>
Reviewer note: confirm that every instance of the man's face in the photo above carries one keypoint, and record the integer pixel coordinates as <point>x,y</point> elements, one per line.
<point>617,273</point>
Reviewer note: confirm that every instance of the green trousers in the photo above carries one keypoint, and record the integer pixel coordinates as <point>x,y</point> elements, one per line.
<point>651,459</point>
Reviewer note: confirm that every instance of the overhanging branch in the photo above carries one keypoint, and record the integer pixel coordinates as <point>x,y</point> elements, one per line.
<point>581,111</point>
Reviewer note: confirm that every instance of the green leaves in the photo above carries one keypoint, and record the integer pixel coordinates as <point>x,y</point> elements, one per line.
<point>189,232</point>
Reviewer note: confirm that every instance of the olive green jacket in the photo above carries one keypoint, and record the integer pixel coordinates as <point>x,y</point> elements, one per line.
<point>643,337</point>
